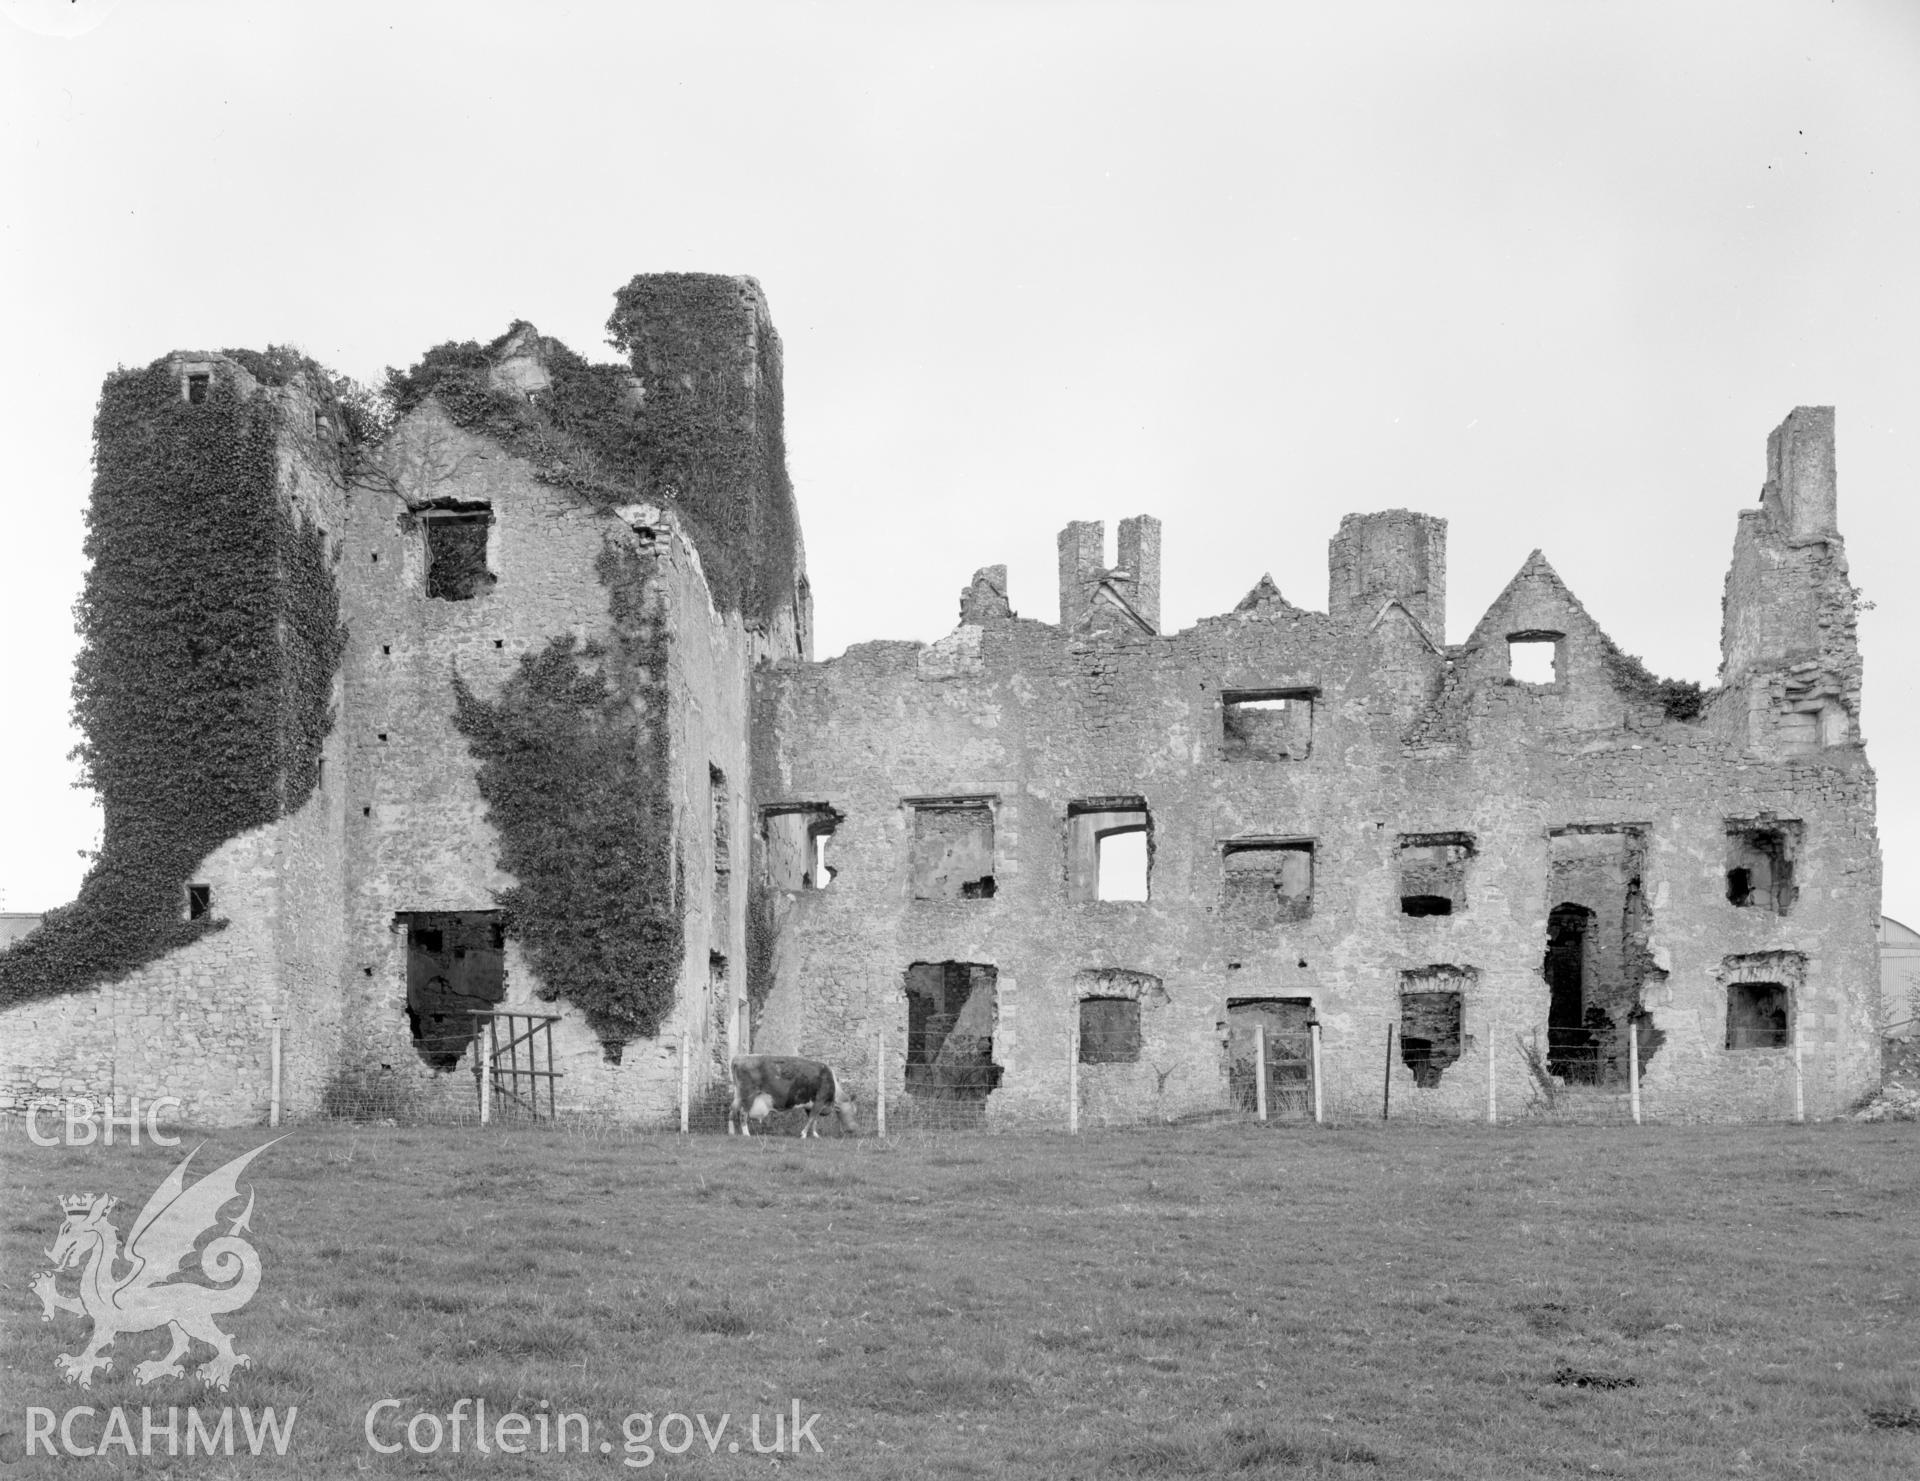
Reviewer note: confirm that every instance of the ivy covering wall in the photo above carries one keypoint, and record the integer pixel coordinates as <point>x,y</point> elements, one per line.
<point>575,776</point>
<point>210,633</point>
<point>574,753</point>
<point>692,421</point>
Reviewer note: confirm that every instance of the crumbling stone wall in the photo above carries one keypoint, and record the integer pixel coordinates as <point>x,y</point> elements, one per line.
<point>197,1024</point>
<point>318,903</point>
<point>1410,740</point>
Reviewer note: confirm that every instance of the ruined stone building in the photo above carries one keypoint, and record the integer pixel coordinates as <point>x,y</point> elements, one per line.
<point>559,746</point>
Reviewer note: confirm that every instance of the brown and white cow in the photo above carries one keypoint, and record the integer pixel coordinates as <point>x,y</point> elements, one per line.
<point>765,1083</point>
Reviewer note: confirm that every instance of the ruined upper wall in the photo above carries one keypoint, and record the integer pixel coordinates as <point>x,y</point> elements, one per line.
<point>693,422</point>
<point>1788,643</point>
<point>1395,555</point>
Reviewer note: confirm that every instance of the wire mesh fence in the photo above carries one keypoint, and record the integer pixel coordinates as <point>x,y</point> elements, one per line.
<point>951,1084</point>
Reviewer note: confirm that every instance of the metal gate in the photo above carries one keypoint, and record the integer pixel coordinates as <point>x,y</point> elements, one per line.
<point>513,1076</point>
<point>1287,1052</point>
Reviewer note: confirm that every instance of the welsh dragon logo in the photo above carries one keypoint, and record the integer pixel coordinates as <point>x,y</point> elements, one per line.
<point>146,1295</point>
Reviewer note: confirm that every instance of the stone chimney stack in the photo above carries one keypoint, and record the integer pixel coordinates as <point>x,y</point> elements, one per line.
<point>1800,489</point>
<point>1139,554</point>
<point>1082,546</point>
<point>1395,555</point>
<point>1129,593</point>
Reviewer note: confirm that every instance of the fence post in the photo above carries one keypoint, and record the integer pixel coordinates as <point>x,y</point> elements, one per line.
<point>686,1084</point>
<point>1493,1093</point>
<point>486,1042</point>
<point>1633,1065</point>
<point>273,1109</point>
<point>1313,1032</point>
<point>1799,1074</point>
<point>1386,1092</point>
<point>1260,1070</point>
<point>1073,1073</point>
<point>880,1083</point>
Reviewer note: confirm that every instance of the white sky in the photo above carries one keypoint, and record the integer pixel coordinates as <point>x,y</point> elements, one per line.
<point>1552,271</point>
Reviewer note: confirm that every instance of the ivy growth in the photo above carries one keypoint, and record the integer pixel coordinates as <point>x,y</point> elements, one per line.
<point>573,766</point>
<point>693,421</point>
<point>1681,699</point>
<point>210,633</point>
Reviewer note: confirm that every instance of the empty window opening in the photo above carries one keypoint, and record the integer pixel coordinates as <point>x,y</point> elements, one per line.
<point>195,386</point>
<point>456,963</point>
<point>1266,724</point>
<point>1109,1030</point>
<point>722,819</point>
<point>1757,1016</point>
<point>1534,658</point>
<point>720,806</point>
<point>952,1014</point>
<point>1597,963</point>
<point>952,853</point>
<point>1570,1047</point>
<point>199,900</point>
<point>1430,1032</point>
<point>1123,864</point>
<point>719,1013</point>
<point>1287,1023</point>
<point>1760,865</point>
<point>1268,882</point>
<point>796,837</point>
<point>1433,873</point>
<point>457,553</point>
<point>1109,848</point>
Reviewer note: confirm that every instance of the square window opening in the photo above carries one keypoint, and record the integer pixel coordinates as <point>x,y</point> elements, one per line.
<point>952,850</point>
<point>1109,849</point>
<point>1534,658</point>
<point>1758,1016</point>
<point>199,901</point>
<point>194,386</point>
<point>1268,882</point>
<point>1760,859</point>
<point>457,554</point>
<point>796,845</point>
<point>1433,873</point>
<point>1266,724</point>
<point>1109,1030</point>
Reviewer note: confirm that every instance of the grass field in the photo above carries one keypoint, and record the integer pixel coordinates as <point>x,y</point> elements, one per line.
<point>1234,1300</point>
